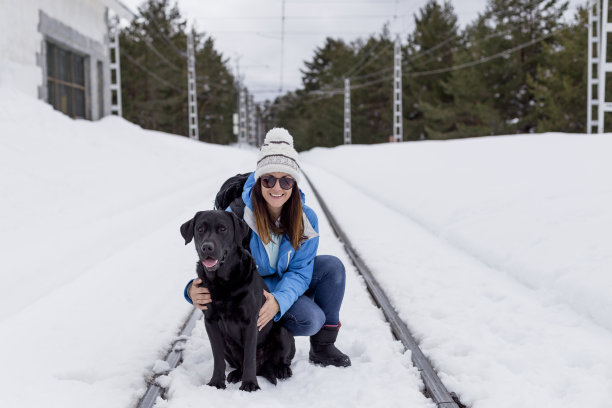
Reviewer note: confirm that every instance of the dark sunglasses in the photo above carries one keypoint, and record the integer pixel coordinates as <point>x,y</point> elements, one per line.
<point>269,181</point>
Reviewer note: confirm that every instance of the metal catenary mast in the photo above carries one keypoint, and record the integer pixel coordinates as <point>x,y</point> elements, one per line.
<point>192,101</point>
<point>593,53</point>
<point>115,66</point>
<point>242,116</point>
<point>397,92</point>
<point>347,111</point>
<point>603,67</point>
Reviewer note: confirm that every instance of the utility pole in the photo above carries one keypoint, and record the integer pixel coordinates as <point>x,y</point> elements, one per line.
<point>115,66</point>
<point>251,121</point>
<point>397,92</point>
<point>242,116</point>
<point>282,47</point>
<point>260,129</point>
<point>347,111</point>
<point>192,100</point>
<point>594,52</point>
<point>604,67</point>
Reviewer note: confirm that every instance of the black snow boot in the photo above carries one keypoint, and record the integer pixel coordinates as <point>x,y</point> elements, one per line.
<point>323,351</point>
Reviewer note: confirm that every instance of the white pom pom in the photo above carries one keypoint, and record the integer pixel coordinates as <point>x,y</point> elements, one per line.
<point>278,135</point>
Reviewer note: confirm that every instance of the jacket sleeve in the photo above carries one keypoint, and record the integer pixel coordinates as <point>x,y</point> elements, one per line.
<point>186,292</point>
<point>296,279</point>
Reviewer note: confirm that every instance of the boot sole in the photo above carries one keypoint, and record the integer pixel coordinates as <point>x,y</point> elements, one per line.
<point>322,364</point>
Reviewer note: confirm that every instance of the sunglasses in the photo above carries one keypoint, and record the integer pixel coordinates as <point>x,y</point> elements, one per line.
<point>269,181</point>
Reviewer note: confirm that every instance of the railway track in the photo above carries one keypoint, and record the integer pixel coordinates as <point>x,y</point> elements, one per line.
<point>434,388</point>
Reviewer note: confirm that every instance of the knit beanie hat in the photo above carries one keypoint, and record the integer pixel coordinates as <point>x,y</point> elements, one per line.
<point>278,155</point>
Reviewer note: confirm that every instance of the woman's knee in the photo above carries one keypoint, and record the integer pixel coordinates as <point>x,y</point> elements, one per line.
<point>305,327</point>
<point>331,268</point>
<point>305,319</point>
<point>316,322</point>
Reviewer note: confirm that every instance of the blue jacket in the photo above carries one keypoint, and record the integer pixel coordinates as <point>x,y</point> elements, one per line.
<point>290,277</point>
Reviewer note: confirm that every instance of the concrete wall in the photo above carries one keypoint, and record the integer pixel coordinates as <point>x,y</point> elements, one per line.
<point>77,25</point>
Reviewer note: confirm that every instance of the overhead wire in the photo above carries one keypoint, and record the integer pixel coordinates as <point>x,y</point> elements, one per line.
<point>421,54</point>
<point>483,60</point>
<point>147,42</point>
<point>161,33</point>
<point>149,72</point>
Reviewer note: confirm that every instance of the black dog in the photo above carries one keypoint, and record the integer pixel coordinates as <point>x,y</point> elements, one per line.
<point>228,270</point>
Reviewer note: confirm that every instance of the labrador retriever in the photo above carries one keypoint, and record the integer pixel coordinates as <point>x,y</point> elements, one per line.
<point>229,272</point>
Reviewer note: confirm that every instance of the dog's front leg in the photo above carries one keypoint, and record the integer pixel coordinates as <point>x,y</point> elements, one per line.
<point>249,372</point>
<point>217,344</point>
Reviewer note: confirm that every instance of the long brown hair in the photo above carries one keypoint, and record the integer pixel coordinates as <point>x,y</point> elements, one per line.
<point>291,222</point>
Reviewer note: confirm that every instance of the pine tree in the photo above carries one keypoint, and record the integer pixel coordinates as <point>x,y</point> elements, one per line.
<point>523,28</point>
<point>372,90</point>
<point>216,93</point>
<point>154,68</point>
<point>427,100</point>
<point>154,75</point>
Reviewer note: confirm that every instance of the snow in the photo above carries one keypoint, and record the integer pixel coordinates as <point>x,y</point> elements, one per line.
<point>495,251</point>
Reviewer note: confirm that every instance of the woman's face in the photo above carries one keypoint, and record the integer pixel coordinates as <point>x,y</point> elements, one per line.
<point>275,196</point>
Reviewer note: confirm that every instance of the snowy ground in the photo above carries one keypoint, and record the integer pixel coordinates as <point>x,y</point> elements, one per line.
<point>495,251</point>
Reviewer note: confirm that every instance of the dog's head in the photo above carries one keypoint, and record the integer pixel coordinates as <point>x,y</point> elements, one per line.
<point>217,235</point>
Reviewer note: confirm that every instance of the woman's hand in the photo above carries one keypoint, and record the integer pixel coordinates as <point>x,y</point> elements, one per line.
<point>269,309</point>
<point>200,296</point>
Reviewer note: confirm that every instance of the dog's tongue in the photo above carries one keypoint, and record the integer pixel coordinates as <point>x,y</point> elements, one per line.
<point>210,262</point>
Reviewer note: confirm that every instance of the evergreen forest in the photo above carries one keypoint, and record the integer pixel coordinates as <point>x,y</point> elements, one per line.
<point>520,67</point>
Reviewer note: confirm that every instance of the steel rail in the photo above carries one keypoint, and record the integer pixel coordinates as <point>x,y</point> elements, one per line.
<point>434,388</point>
<point>173,359</point>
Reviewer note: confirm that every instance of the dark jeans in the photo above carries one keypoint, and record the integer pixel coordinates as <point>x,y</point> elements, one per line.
<point>320,305</point>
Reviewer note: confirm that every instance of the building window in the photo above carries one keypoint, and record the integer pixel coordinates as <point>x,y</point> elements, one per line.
<point>66,81</point>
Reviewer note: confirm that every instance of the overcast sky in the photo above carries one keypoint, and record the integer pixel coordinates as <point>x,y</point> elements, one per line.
<point>249,31</point>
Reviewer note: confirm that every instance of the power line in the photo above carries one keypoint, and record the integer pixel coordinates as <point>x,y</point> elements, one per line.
<point>358,66</point>
<point>159,30</point>
<point>421,54</point>
<point>485,59</point>
<point>152,74</point>
<point>295,17</point>
<point>147,42</point>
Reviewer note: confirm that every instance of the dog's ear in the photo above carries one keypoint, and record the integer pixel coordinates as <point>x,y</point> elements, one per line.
<point>187,230</point>
<point>241,231</point>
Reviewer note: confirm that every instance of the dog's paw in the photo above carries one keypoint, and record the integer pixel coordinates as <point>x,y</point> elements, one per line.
<point>283,371</point>
<point>249,386</point>
<point>234,376</point>
<point>267,371</point>
<point>217,383</point>
<point>270,377</point>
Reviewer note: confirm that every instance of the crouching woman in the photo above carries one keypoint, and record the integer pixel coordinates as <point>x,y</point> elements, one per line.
<point>306,290</point>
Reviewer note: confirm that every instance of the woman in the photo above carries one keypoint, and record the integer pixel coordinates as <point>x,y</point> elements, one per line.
<point>306,290</point>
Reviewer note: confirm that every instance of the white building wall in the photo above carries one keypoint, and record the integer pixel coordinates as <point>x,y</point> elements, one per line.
<point>80,25</point>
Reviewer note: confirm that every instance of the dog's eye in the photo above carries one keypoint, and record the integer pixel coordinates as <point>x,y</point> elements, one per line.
<point>222,229</point>
<point>200,229</point>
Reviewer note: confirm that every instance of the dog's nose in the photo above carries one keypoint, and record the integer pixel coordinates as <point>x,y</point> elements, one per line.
<point>208,247</point>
